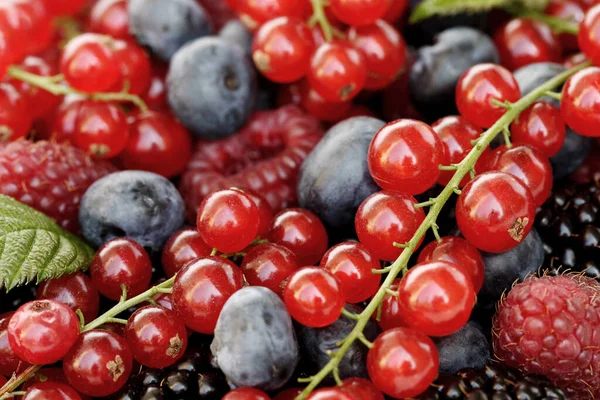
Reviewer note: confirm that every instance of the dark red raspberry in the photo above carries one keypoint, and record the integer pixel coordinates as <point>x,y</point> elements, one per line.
<point>49,177</point>
<point>551,326</point>
<point>264,156</point>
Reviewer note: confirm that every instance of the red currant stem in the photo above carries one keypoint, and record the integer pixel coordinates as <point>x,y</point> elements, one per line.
<point>81,318</point>
<point>400,245</point>
<point>393,293</point>
<point>17,380</point>
<point>435,228</point>
<point>427,203</point>
<point>365,341</point>
<point>502,104</point>
<point>116,321</point>
<point>319,17</point>
<point>13,394</point>
<point>379,311</point>
<point>472,173</point>
<point>451,167</point>
<point>400,265</point>
<point>350,314</point>
<point>52,85</point>
<point>214,252</point>
<point>554,95</point>
<point>336,376</point>
<point>506,134</point>
<point>381,271</point>
<point>558,25</point>
<point>69,27</point>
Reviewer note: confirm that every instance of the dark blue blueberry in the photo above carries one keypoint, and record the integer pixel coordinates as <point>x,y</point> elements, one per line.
<point>316,343</point>
<point>466,348</point>
<point>531,76</point>
<point>254,342</point>
<point>164,26</point>
<point>334,179</point>
<point>139,205</point>
<point>236,32</point>
<point>438,68</point>
<point>212,87</point>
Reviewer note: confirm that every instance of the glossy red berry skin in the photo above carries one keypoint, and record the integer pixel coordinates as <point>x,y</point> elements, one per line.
<point>390,310</point>
<point>436,298</point>
<point>40,102</point>
<point>157,143</point>
<point>331,393</point>
<point>362,388</point>
<point>156,95</point>
<point>384,218</point>
<point>395,10</point>
<point>288,394</point>
<point>282,49</point>
<point>573,60</point>
<point>51,391</point>
<point>359,12</point>
<point>90,64</point>
<point>457,251</point>
<point>530,166</point>
<point>15,120</point>
<point>110,17</point>
<point>476,89</point>
<point>540,126</point>
<point>570,10</point>
<point>182,247</point>
<point>76,291</point>
<point>156,336</point>
<point>337,72</point>
<point>405,156</point>
<point>302,232</point>
<point>403,363</point>
<point>9,362</point>
<point>495,212</point>
<point>136,70</point>
<point>314,297</point>
<point>64,7</point>
<point>99,363</point>
<point>317,106</point>
<point>201,289</point>
<point>580,104</point>
<point>523,41</point>
<point>352,264</point>
<point>588,39</point>
<point>228,220</point>
<point>246,393</point>
<point>265,211</point>
<point>269,265</point>
<point>119,262</point>
<point>255,13</point>
<point>42,331</point>
<point>101,129</point>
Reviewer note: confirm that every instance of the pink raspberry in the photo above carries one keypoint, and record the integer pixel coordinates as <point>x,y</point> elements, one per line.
<point>551,326</point>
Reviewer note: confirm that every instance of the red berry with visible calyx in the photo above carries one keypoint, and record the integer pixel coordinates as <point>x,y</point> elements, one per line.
<point>479,88</point>
<point>51,391</point>
<point>42,331</point>
<point>75,290</point>
<point>587,37</point>
<point>9,362</point>
<point>110,17</point>
<point>540,126</point>
<point>101,129</point>
<point>402,363</point>
<point>246,393</point>
<point>314,297</point>
<point>282,49</point>
<point>580,104</point>
<point>495,212</point>
<point>15,119</point>
<point>359,12</point>
<point>135,67</point>
<point>269,265</point>
<point>182,247</point>
<point>405,156</point>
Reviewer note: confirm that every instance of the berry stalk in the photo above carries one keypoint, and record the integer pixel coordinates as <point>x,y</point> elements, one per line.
<point>400,265</point>
<point>319,17</point>
<point>558,25</point>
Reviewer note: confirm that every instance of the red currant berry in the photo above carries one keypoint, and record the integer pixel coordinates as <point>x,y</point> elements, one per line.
<point>282,49</point>
<point>101,129</point>
<point>531,167</point>
<point>570,10</point>
<point>46,374</point>
<point>457,251</point>
<point>384,51</point>
<point>157,143</point>
<point>264,210</point>
<point>51,391</point>
<point>318,107</point>
<point>573,60</point>
<point>65,7</point>
<point>255,13</point>
<point>523,41</point>
<point>182,247</point>
<point>269,265</point>
<point>110,17</point>
<point>246,394</point>
<point>405,156</point>
<point>89,63</point>
<point>40,102</point>
<point>495,212</point>
<point>478,87</point>
<point>314,297</point>
<point>353,264</point>
<point>201,289</point>
<point>337,71</point>
<point>336,393</point>
<point>121,262</point>
<point>580,105</point>
<point>402,363</point>
<point>76,291</point>
<point>288,394</point>
<point>302,232</point>
<point>588,39</point>
<point>384,218</point>
<point>395,10</point>
<point>35,24</point>
<point>134,63</point>
<point>9,362</point>
<point>436,298</point>
<point>228,220</point>
<point>64,121</point>
<point>156,336</point>
<point>156,95</point>
<point>99,363</point>
<point>390,310</point>
<point>15,119</point>
<point>42,331</point>
<point>362,388</point>
<point>359,12</point>
<point>540,126</point>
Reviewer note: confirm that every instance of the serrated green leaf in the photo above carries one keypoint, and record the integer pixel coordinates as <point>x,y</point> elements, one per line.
<point>35,248</point>
<point>430,8</point>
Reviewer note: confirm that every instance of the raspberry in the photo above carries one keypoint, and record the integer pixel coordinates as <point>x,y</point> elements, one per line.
<point>264,156</point>
<point>49,177</point>
<point>551,326</point>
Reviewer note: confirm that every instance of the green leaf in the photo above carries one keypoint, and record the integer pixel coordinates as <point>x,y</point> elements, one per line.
<point>35,248</point>
<point>430,8</point>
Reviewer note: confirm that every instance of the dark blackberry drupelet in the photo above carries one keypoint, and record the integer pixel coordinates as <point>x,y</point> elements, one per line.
<point>493,382</point>
<point>569,225</point>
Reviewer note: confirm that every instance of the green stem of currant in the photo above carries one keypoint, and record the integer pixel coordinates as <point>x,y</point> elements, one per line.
<point>319,17</point>
<point>558,25</point>
<point>53,85</point>
<point>11,395</point>
<point>401,263</point>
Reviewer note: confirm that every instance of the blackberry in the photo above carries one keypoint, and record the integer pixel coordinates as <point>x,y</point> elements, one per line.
<point>569,225</point>
<point>493,382</point>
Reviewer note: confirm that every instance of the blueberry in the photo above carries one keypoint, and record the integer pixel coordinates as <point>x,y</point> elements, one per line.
<point>438,68</point>
<point>139,205</point>
<point>165,26</point>
<point>466,348</point>
<point>315,343</point>
<point>334,179</point>
<point>212,87</point>
<point>254,342</point>
<point>236,32</point>
<point>531,76</point>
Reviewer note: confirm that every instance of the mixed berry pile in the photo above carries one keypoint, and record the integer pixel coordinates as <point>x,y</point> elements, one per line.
<point>299,199</point>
